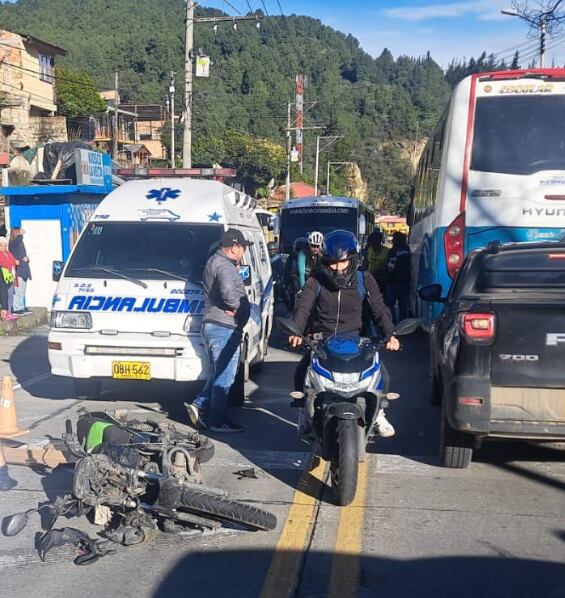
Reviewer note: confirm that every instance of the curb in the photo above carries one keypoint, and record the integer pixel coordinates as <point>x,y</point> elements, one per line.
<point>37,317</point>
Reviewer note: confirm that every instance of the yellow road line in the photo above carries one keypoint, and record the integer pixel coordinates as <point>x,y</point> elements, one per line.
<point>283,573</point>
<point>349,543</point>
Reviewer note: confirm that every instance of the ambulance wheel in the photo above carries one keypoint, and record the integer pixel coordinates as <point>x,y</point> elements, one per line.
<point>237,390</point>
<point>87,388</point>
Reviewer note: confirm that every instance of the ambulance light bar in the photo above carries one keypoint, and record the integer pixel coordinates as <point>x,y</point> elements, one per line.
<point>177,172</point>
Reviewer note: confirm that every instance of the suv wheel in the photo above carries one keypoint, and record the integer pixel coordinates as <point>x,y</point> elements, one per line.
<point>456,449</point>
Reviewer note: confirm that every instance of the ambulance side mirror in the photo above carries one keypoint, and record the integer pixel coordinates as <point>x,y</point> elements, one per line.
<point>57,270</point>
<point>245,273</point>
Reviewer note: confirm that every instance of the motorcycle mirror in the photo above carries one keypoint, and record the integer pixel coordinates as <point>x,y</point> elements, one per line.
<point>14,524</point>
<point>407,326</point>
<point>289,326</point>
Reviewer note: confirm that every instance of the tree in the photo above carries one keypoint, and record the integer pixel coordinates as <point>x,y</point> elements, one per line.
<point>77,94</point>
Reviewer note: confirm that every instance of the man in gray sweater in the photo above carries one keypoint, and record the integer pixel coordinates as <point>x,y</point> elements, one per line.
<point>225,315</point>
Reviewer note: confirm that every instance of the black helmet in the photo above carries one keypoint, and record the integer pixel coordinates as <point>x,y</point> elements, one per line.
<point>339,245</point>
<point>301,244</point>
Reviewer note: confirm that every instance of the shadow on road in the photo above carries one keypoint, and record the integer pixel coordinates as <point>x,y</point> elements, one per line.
<point>219,573</point>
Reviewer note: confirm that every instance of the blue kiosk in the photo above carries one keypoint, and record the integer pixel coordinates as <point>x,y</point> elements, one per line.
<point>53,216</point>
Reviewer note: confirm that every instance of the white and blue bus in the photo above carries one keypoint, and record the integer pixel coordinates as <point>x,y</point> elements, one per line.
<point>323,213</point>
<point>493,169</point>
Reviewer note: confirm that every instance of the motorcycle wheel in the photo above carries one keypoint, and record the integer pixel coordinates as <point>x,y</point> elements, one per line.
<point>224,509</point>
<point>344,464</point>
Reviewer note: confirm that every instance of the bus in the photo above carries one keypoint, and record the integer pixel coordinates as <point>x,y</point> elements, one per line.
<point>493,169</point>
<point>323,213</point>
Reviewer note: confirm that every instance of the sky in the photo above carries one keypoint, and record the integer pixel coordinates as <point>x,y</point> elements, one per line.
<point>447,28</point>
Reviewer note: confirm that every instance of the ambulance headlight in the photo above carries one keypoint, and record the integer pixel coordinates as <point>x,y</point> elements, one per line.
<point>193,324</point>
<point>71,319</point>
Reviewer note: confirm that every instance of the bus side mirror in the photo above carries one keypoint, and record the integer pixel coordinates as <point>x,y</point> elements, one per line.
<point>57,270</point>
<point>276,224</point>
<point>245,273</point>
<point>431,293</point>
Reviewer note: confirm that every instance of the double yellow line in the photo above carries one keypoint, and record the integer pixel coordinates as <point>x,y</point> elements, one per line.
<point>283,575</point>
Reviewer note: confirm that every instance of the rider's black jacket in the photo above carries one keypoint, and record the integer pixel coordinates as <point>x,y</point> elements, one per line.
<point>325,308</point>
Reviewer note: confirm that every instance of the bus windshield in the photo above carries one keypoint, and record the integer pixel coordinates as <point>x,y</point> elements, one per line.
<point>298,222</point>
<point>519,134</point>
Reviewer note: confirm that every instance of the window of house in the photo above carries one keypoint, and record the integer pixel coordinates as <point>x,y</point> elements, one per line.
<point>46,68</point>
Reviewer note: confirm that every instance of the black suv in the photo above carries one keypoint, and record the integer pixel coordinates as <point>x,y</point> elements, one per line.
<point>498,348</point>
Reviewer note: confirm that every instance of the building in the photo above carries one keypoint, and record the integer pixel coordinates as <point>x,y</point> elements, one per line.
<point>139,131</point>
<point>53,216</point>
<point>392,224</point>
<point>27,82</point>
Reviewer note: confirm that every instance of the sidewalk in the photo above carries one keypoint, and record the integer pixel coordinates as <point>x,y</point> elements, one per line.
<point>37,317</point>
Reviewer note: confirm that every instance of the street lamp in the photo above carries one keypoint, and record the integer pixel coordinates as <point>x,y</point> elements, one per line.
<point>539,22</point>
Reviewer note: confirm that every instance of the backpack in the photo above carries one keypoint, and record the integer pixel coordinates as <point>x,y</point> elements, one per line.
<point>7,276</point>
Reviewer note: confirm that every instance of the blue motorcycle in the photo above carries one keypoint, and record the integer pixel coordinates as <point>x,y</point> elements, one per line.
<point>345,386</point>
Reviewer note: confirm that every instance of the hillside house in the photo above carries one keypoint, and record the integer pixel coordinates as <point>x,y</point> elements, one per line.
<point>27,84</point>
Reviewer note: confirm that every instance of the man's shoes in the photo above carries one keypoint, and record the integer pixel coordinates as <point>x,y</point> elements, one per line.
<point>22,312</point>
<point>227,427</point>
<point>382,426</point>
<point>193,413</point>
<point>6,482</point>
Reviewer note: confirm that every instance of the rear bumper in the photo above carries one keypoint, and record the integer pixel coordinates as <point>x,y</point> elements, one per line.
<point>187,360</point>
<point>535,413</point>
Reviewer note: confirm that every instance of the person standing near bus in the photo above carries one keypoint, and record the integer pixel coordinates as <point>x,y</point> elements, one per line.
<point>398,280</point>
<point>377,259</point>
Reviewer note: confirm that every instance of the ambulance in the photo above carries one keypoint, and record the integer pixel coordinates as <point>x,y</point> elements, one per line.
<point>129,301</point>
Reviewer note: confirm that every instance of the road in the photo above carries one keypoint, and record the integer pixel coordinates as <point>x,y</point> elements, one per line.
<point>415,529</point>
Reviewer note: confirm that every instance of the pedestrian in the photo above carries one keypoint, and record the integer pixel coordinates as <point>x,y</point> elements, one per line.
<point>8,265</point>
<point>23,272</point>
<point>332,302</point>
<point>377,259</point>
<point>226,313</point>
<point>4,312</point>
<point>6,482</point>
<point>398,281</point>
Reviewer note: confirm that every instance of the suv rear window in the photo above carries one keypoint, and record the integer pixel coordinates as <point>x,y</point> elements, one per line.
<point>532,269</point>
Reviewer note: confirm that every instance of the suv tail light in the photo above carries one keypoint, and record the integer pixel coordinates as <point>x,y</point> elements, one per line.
<point>454,245</point>
<point>478,326</point>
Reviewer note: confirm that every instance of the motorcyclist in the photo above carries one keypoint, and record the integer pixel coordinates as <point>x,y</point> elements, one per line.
<point>332,302</point>
<point>301,263</point>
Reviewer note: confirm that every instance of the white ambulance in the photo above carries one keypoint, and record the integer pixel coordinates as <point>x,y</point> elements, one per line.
<point>129,301</point>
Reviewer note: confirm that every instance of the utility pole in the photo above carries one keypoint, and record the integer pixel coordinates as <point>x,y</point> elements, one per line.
<point>332,139</point>
<point>543,27</point>
<point>172,92</point>
<point>188,56</point>
<point>288,150</point>
<point>545,21</point>
<point>115,121</point>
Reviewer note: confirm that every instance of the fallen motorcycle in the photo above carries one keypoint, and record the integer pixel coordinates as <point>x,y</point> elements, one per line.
<point>151,480</point>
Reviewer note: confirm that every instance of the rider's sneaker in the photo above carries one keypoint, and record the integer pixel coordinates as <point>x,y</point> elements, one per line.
<point>193,413</point>
<point>382,426</point>
<point>228,427</point>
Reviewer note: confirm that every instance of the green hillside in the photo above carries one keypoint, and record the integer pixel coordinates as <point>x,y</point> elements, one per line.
<point>378,106</point>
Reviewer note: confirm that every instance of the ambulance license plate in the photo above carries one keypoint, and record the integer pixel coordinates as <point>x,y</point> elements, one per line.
<point>131,370</point>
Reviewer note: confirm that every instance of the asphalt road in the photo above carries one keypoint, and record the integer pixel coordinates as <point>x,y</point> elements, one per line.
<point>415,529</point>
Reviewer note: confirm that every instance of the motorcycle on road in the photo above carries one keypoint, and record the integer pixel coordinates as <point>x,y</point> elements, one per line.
<point>345,386</point>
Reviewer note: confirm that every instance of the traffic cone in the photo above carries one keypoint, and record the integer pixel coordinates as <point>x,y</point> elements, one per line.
<point>8,419</point>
